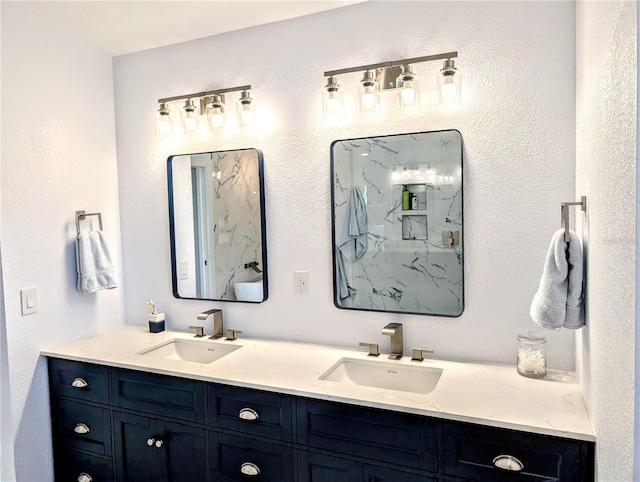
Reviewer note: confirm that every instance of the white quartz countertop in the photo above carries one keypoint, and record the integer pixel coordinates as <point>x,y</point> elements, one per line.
<point>492,395</point>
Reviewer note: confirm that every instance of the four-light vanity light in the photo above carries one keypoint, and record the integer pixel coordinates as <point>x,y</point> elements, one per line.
<point>395,76</point>
<point>209,114</point>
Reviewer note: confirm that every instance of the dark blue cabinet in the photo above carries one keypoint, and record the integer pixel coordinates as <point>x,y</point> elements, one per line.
<point>124,425</point>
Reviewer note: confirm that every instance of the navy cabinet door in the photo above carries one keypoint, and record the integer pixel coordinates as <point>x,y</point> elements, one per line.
<point>154,450</point>
<point>136,459</point>
<point>384,474</point>
<point>314,467</point>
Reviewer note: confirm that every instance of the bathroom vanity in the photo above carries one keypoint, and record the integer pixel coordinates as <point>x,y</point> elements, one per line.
<point>121,411</point>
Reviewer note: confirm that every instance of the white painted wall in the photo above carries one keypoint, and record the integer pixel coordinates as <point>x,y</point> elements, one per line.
<point>58,155</point>
<point>606,169</point>
<point>518,125</point>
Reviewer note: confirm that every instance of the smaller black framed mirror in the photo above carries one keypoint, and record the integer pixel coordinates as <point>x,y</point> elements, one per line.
<point>217,226</point>
<point>397,223</point>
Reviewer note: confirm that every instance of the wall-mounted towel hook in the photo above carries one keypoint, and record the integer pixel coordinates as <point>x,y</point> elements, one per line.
<point>82,215</point>
<point>564,214</point>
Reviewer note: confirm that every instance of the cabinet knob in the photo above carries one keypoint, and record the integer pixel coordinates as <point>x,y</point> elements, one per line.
<point>84,477</point>
<point>151,441</point>
<point>508,462</point>
<point>81,428</point>
<point>248,414</point>
<point>79,383</point>
<point>159,443</point>
<point>249,468</point>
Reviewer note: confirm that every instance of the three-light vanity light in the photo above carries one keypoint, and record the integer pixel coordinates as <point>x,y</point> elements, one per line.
<point>396,76</point>
<point>208,114</point>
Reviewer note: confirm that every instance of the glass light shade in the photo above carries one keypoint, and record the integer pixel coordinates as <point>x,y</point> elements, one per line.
<point>409,85</point>
<point>449,83</point>
<point>332,98</point>
<point>163,121</point>
<point>246,108</point>
<point>215,111</point>
<point>368,93</point>
<point>190,117</point>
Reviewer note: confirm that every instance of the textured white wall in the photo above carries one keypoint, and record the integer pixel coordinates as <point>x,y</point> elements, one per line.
<point>518,126</point>
<point>606,169</point>
<point>58,155</point>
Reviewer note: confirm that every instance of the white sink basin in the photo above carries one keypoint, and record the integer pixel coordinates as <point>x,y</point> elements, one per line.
<point>190,351</point>
<point>249,291</point>
<point>384,375</point>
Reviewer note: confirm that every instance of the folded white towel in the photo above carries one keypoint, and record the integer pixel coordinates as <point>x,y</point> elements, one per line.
<point>93,263</point>
<point>558,302</point>
<point>353,238</point>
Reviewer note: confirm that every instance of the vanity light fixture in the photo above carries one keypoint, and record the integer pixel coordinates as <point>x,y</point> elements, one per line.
<point>212,108</point>
<point>396,76</point>
<point>449,83</point>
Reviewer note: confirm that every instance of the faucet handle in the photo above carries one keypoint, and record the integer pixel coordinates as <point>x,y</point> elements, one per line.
<point>199,331</point>
<point>416,353</point>
<point>373,348</point>
<point>231,334</point>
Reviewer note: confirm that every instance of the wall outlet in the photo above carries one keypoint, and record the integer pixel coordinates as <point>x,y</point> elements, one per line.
<point>301,282</point>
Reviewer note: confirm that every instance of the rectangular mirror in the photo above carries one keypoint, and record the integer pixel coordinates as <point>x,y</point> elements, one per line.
<point>397,223</point>
<point>217,226</point>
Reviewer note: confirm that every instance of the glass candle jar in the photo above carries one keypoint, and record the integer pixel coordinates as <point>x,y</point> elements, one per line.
<point>532,355</point>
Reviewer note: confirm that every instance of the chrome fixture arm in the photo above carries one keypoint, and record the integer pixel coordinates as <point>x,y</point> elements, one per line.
<point>417,354</point>
<point>392,63</point>
<point>204,94</point>
<point>394,330</point>
<point>217,322</point>
<point>373,348</point>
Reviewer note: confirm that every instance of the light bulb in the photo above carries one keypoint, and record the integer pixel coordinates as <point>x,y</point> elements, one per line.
<point>448,89</point>
<point>368,99</point>
<point>190,124</point>
<point>408,94</point>
<point>334,105</point>
<point>164,125</point>
<point>332,96</point>
<point>217,119</point>
<point>190,117</point>
<point>216,111</point>
<point>246,114</point>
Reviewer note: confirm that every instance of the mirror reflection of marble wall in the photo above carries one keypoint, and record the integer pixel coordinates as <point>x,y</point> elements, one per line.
<point>216,207</point>
<point>387,258</point>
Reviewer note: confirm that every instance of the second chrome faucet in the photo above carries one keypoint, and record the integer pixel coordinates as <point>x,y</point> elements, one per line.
<point>394,330</point>
<point>217,322</point>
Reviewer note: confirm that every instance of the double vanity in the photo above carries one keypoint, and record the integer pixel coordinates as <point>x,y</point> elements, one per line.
<point>132,405</point>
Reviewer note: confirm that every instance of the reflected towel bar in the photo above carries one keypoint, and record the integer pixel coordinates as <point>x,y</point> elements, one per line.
<point>564,214</point>
<point>82,215</point>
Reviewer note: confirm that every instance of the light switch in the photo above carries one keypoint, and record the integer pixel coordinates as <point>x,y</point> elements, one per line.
<point>223,238</point>
<point>29,299</point>
<point>184,269</point>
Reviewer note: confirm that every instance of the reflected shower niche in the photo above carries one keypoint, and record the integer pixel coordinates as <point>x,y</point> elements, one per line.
<point>397,223</point>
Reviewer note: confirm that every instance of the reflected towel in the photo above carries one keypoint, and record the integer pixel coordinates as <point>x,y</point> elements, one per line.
<point>558,302</point>
<point>93,263</point>
<point>353,238</point>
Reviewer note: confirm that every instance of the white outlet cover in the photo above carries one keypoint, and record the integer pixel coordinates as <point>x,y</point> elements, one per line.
<point>301,282</point>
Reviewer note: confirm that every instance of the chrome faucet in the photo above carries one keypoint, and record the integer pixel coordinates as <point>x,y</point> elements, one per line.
<point>394,330</point>
<point>217,321</point>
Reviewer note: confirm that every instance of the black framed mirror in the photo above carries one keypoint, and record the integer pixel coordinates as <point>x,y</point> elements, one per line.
<point>397,223</point>
<point>217,226</point>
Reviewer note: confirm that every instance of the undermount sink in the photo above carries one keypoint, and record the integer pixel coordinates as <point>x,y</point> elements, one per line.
<point>253,291</point>
<point>190,351</point>
<point>384,375</point>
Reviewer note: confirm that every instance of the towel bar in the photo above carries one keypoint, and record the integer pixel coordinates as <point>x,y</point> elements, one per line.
<point>82,215</point>
<point>564,214</point>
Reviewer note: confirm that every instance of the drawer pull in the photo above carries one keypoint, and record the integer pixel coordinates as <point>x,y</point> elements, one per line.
<point>159,443</point>
<point>249,468</point>
<point>81,428</point>
<point>151,441</point>
<point>248,414</point>
<point>508,462</point>
<point>84,477</point>
<point>79,383</point>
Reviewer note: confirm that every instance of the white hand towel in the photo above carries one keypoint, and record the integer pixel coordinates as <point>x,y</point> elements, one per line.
<point>93,262</point>
<point>559,302</point>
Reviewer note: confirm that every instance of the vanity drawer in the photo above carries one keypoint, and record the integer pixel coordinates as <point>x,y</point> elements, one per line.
<point>79,380</point>
<point>250,411</point>
<point>469,451</point>
<point>241,458</point>
<point>396,438</point>
<point>83,426</point>
<point>158,394</point>
<point>71,465</point>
